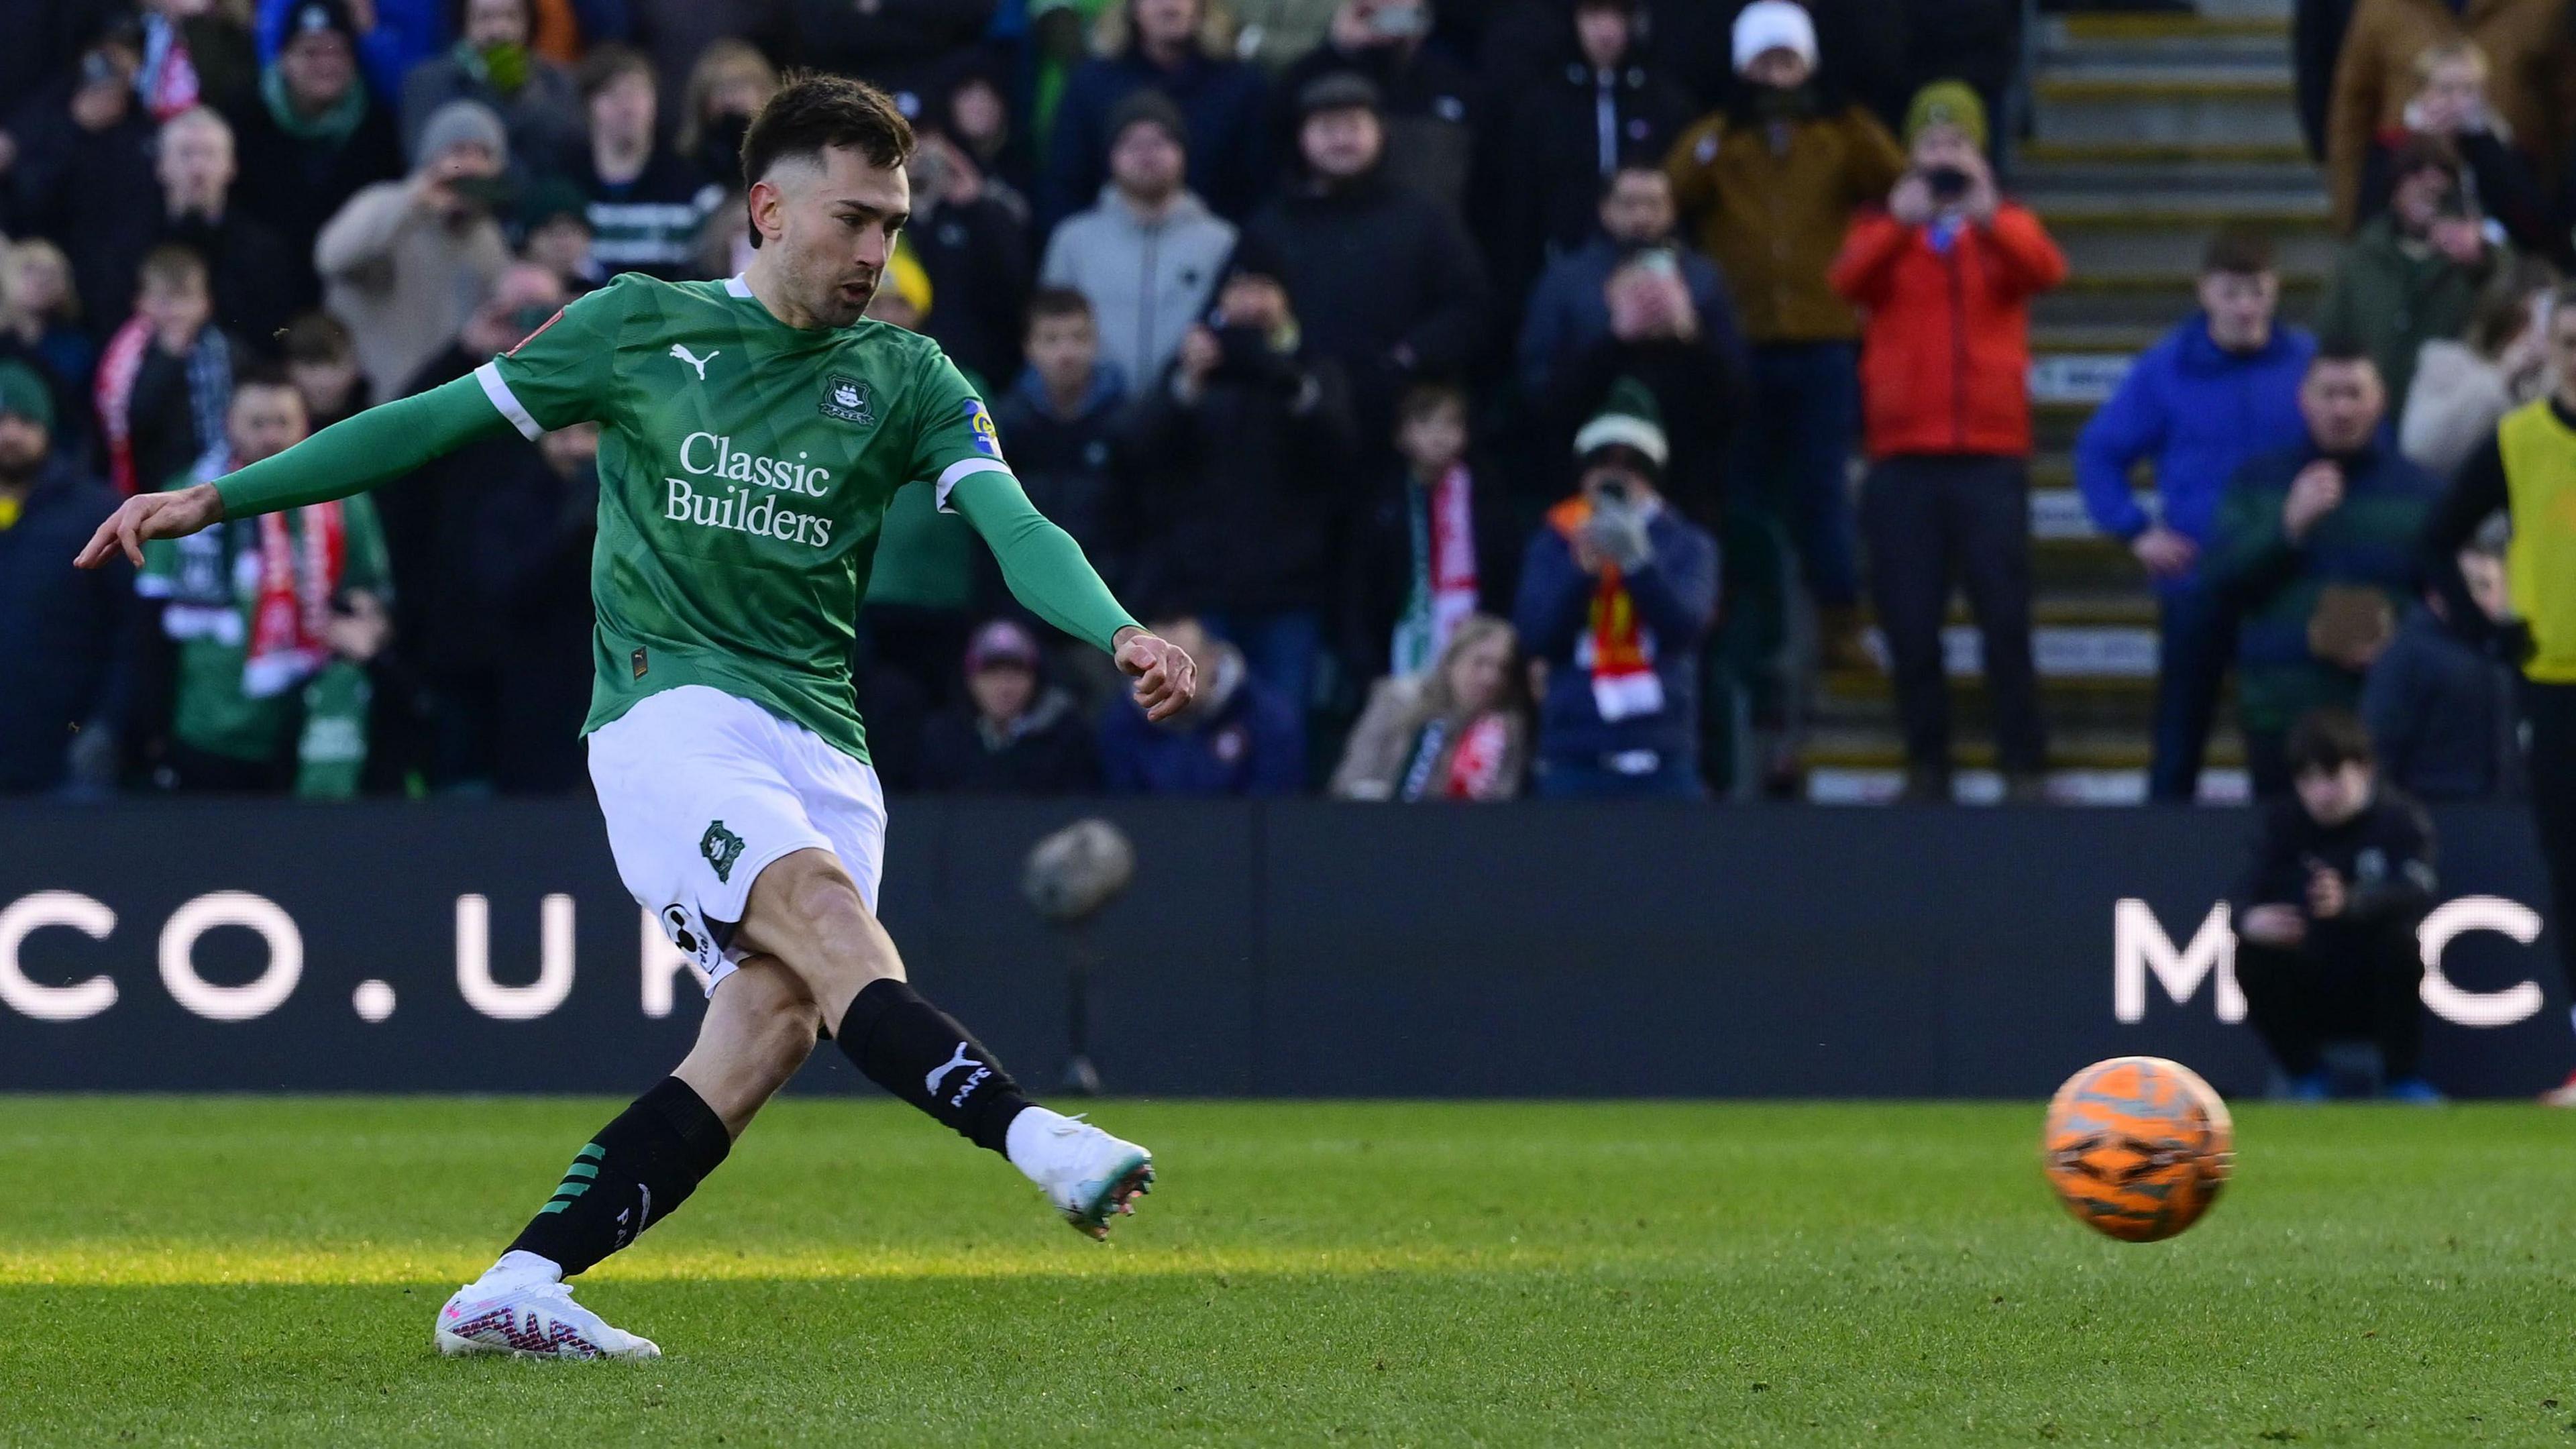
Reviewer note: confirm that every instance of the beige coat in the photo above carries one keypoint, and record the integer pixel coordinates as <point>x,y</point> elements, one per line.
<point>2531,80</point>
<point>403,280</point>
<point>1373,761</point>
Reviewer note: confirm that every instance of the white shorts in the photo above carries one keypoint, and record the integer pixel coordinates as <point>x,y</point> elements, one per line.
<point>703,790</point>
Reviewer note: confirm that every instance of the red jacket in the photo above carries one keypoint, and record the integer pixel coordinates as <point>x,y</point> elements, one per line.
<point>1945,355</point>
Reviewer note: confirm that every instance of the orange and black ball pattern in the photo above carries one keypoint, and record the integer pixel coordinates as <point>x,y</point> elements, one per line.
<point>2137,1147</point>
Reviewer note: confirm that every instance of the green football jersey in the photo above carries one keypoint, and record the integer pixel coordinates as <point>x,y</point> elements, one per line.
<point>745,469</point>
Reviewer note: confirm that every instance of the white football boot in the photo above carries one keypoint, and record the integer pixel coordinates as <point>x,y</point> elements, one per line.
<point>1089,1175</point>
<point>531,1318</point>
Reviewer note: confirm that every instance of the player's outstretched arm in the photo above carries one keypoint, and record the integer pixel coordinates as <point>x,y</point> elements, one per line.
<point>1047,572</point>
<point>348,457</point>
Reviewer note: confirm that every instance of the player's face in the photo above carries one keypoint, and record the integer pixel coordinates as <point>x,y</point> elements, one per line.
<point>834,223</point>
<point>265,421</point>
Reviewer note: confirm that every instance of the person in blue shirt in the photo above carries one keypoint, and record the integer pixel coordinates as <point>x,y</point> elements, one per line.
<point>2221,388</point>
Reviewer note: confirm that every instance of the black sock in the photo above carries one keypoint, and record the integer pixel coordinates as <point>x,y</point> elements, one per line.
<point>636,1172</point>
<point>918,1052</point>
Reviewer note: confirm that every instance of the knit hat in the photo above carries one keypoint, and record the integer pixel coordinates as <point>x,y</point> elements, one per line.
<point>457,123</point>
<point>1002,641</point>
<point>1341,90</point>
<point>1628,419</point>
<point>1148,106</point>
<point>24,395</point>
<point>1947,103</point>
<point>1773,25</point>
<point>308,16</point>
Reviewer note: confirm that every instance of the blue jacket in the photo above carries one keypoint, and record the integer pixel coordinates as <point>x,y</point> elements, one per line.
<point>407,32</point>
<point>1676,599</point>
<point>1567,313</point>
<point>1251,744</point>
<point>1222,101</point>
<point>2200,412</point>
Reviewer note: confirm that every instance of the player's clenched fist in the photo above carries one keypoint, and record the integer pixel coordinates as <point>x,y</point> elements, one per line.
<point>148,516</point>
<point>1167,679</point>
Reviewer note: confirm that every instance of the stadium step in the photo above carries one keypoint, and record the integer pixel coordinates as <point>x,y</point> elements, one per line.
<point>2153,132</point>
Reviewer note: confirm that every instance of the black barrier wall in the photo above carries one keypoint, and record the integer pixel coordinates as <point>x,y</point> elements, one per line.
<point>1300,948</point>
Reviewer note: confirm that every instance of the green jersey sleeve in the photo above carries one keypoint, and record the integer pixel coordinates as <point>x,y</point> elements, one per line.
<point>566,370</point>
<point>952,431</point>
<point>356,454</point>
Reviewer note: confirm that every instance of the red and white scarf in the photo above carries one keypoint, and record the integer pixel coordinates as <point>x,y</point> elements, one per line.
<point>1617,648</point>
<point>299,571</point>
<point>1443,525</point>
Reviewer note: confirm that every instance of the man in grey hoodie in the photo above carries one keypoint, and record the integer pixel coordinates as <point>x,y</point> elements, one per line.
<point>1149,255</point>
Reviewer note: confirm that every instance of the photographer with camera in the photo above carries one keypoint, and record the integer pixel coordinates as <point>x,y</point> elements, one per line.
<point>1250,444</point>
<point>1945,276</point>
<point>1617,592</point>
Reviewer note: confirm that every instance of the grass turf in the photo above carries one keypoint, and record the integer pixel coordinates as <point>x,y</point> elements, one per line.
<point>236,1271</point>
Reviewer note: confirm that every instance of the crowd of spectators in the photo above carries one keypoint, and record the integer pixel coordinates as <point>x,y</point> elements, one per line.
<point>1509,397</point>
<point>1418,361</point>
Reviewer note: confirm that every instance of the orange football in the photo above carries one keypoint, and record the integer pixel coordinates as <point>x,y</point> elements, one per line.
<point>2137,1147</point>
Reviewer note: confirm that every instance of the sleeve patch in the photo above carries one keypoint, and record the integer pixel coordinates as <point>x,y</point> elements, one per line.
<point>987,441</point>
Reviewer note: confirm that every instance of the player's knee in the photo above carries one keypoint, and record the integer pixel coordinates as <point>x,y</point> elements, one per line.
<point>840,947</point>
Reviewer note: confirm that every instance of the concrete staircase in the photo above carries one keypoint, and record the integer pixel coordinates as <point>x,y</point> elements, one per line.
<point>2152,131</point>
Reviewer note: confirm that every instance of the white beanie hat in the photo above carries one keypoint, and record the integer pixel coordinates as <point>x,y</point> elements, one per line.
<point>1773,25</point>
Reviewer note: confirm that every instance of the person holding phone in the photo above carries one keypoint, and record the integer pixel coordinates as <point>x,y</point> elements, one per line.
<point>1617,592</point>
<point>404,262</point>
<point>1945,276</point>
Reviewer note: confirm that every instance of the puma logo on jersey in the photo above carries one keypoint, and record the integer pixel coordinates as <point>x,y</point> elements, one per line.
<point>931,1083</point>
<point>695,361</point>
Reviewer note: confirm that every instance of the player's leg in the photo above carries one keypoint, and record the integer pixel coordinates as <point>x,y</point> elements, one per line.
<point>807,911</point>
<point>636,1171</point>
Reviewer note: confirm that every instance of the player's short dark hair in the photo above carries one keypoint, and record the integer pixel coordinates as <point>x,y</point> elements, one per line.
<point>2338,350</point>
<point>609,62</point>
<point>1048,302</point>
<point>2237,251</point>
<point>2326,740</point>
<point>811,111</point>
<point>1426,397</point>
<point>317,336</point>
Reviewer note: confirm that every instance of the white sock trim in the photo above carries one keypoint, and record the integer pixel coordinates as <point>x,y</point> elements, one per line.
<point>520,1266</point>
<point>1030,1139</point>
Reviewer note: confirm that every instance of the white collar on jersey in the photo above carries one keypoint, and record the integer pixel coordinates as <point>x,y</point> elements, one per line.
<point>736,286</point>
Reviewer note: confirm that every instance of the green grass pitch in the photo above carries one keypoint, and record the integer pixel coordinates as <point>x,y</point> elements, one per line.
<point>240,1271</point>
